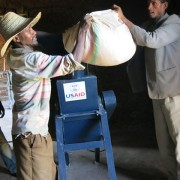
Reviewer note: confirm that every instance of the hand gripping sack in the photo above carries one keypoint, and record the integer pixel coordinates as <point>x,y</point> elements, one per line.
<point>108,42</point>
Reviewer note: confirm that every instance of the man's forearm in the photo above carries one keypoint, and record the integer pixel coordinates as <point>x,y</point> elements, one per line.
<point>127,22</point>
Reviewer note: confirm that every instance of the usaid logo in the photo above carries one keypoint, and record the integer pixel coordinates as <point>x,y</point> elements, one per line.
<point>74,87</point>
<point>74,91</point>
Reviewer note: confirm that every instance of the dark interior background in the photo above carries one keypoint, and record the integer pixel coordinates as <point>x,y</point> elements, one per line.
<point>57,15</point>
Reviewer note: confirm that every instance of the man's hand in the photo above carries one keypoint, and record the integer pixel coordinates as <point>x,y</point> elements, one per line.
<point>85,23</point>
<point>2,111</point>
<point>121,16</point>
<point>118,10</point>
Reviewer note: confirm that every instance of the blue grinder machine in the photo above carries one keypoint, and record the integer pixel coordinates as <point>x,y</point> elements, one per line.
<point>82,122</point>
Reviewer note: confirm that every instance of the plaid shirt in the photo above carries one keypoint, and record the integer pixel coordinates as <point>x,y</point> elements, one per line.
<point>31,73</point>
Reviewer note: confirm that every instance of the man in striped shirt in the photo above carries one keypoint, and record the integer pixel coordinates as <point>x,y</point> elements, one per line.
<point>31,73</point>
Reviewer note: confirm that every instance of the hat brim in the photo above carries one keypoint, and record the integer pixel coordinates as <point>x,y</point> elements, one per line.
<point>30,21</point>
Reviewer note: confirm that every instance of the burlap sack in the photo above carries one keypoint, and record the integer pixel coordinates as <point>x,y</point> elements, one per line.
<point>108,41</point>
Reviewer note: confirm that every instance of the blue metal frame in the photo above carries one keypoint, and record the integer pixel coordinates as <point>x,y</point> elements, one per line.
<point>82,124</point>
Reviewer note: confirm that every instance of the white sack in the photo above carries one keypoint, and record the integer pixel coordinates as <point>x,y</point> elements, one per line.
<point>108,41</point>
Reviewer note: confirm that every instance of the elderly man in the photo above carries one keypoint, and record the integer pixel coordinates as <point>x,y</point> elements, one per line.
<point>31,73</point>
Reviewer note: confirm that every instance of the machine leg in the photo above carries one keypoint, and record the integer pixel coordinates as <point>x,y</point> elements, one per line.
<point>61,153</point>
<point>108,147</point>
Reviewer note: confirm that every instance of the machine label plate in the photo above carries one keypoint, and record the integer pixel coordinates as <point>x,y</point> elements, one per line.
<point>74,91</point>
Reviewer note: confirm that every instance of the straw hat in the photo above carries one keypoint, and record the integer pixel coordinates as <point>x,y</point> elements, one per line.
<point>10,25</point>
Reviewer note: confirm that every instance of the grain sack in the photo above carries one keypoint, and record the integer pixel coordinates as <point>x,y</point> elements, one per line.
<point>108,41</point>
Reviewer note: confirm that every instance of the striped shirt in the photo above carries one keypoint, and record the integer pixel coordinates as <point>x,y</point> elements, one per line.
<point>31,73</point>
